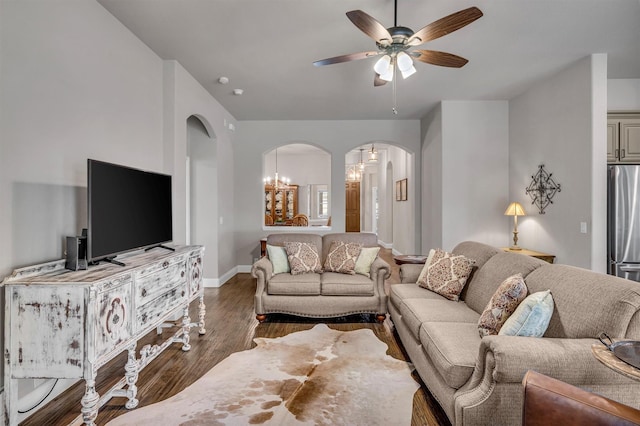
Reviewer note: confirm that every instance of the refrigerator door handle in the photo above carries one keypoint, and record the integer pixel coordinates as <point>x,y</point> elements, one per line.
<point>630,268</point>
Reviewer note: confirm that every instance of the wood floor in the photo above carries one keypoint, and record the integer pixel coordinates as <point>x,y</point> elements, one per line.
<point>231,327</point>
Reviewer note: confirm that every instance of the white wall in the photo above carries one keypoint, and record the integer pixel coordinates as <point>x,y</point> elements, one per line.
<point>561,123</point>
<point>254,138</point>
<point>465,154</point>
<point>623,95</point>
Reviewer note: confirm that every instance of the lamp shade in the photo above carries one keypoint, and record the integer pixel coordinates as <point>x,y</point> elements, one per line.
<point>515,209</point>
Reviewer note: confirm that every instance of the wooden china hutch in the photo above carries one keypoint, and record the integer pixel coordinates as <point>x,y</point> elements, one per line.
<point>280,203</point>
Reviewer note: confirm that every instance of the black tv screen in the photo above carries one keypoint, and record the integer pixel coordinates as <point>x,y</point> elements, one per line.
<point>128,209</point>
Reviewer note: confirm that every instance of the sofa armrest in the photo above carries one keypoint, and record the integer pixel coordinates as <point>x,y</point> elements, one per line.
<point>380,266</point>
<point>262,270</point>
<point>568,360</point>
<point>409,272</point>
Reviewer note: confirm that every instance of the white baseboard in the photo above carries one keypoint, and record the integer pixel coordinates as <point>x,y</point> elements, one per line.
<point>396,252</point>
<point>219,282</point>
<point>385,245</point>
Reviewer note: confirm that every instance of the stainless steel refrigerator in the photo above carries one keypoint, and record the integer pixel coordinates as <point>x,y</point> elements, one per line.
<point>623,217</point>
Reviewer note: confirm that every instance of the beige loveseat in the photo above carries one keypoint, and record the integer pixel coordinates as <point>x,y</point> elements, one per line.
<point>321,295</point>
<point>478,381</point>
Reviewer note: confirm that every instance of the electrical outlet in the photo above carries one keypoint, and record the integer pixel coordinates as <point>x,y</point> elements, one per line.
<point>583,227</point>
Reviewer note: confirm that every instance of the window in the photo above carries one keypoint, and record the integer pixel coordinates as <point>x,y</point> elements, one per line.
<point>323,203</point>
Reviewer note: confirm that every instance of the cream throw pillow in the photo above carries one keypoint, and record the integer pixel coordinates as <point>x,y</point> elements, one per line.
<point>278,258</point>
<point>503,303</point>
<point>342,257</point>
<point>445,273</point>
<point>367,257</point>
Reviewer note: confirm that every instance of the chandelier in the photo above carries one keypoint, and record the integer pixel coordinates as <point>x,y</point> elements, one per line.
<point>373,154</point>
<point>278,181</point>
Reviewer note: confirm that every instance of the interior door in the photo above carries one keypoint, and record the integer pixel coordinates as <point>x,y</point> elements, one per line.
<point>352,203</point>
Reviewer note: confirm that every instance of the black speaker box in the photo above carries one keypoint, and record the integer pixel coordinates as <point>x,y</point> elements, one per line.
<point>76,253</point>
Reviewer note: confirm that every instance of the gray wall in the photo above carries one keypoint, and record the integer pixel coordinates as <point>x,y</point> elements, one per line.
<point>561,123</point>
<point>254,138</point>
<point>76,84</point>
<point>465,173</point>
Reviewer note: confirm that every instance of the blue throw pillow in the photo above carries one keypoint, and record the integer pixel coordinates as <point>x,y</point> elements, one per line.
<point>531,317</point>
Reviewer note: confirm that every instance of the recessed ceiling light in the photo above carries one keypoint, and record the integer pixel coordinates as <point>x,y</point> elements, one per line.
<point>238,92</point>
<point>223,80</point>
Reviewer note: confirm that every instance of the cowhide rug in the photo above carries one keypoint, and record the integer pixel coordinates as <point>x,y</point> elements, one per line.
<point>315,377</point>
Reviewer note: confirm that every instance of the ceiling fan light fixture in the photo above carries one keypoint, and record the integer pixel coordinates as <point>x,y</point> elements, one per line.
<point>409,72</point>
<point>382,64</point>
<point>405,63</point>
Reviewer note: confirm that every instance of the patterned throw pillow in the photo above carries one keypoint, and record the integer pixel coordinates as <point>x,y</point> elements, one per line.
<point>531,317</point>
<point>445,273</point>
<point>365,259</point>
<point>342,257</point>
<point>504,301</point>
<point>303,257</point>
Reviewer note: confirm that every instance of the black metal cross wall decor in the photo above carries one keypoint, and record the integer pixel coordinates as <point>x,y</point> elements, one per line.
<point>542,189</point>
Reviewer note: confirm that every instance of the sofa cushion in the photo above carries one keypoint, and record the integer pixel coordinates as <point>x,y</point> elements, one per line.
<point>445,273</point>
<point>278,257</point>
<point>342,257</point>
<point>365,259</point>
<point>337,284</point>
<point>479,252</point>
<point>303,257</point>
<point>488,278</point>
<point>531,317</point>
<point>416,311</point>
<point>453,348</point>
<point>503,303</point>
<point>302,284</point>
<point>398,293</point>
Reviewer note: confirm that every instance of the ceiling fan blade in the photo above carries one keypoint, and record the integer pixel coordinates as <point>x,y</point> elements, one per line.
<point>377,81</point>
<point>445,25</point>
<point>346,58</point>
<point>442,59</point>
<point>370,26</point>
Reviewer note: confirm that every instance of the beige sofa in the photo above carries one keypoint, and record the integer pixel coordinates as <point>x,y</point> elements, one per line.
<point>321,295</point>
<point>479,381</point>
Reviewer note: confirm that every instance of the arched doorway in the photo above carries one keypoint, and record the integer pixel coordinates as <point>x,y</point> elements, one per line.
<point>201,191</point>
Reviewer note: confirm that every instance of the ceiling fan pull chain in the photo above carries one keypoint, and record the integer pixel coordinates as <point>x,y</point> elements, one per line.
<point>393,84</point>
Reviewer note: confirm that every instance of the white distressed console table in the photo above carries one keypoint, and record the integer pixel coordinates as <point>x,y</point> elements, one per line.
<point>68,324</point>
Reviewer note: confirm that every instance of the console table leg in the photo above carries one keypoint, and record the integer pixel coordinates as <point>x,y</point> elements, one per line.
<point>90,402</point>
<point>131,376</point>
<point>186,326</point>
<point>201,313</point>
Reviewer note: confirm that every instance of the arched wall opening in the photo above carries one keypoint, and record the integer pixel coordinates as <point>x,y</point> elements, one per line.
<point>202,192</point>
<point>303,190</point>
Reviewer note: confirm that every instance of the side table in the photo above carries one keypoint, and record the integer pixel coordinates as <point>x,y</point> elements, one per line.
<point>409,258</point>
<point>539,255</point>
<point>609,359</point>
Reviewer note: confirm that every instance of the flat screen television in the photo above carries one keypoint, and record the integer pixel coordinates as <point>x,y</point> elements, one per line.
<point>128,209</point>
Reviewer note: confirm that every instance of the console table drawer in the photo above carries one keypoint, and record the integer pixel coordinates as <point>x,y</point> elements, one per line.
<point>150,312</point>
<point>152,285</point>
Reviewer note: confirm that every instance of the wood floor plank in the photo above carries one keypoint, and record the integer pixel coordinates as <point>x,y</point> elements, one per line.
<point>231,327</point>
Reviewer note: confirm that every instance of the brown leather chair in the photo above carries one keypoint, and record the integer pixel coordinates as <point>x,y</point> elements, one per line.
<point>548,401</point>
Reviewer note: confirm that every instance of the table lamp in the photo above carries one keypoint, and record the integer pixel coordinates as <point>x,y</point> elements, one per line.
<point>515,210</point>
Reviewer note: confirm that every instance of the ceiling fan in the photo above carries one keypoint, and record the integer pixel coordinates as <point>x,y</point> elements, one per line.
<point>395,43</point>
